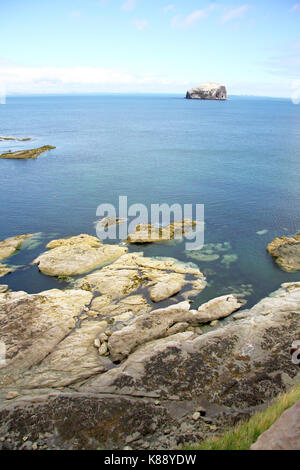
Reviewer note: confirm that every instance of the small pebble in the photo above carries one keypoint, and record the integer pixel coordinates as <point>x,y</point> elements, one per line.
<point>214,323</point>
<point>103,349</point>
<point>196,416</point>
<point>103,338</point>
<point>97,343</point>
<point>108,332</point>
<point>11,395</point>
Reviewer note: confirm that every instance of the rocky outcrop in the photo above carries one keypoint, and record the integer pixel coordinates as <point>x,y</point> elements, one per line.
<point>161,278</point>
<point>17,139</point>
<point>4,269</point>
<point>27,154</point>
<point>147,233</point>
<point>284,434</point>
<point>76,255</point>
<point>168,321</point>
<point>286,252</point>
<point>9,246</point>
<point>60,388</point>
<point>208,91</point>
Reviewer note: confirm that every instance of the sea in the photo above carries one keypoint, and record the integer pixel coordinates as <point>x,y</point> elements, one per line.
<point>240,158</point>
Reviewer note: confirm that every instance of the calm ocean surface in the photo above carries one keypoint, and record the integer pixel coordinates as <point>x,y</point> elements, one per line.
<point>241,158</point>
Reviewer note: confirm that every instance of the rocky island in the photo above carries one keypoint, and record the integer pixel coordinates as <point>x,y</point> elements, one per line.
<point>27,154</point>
<point>207,91</point>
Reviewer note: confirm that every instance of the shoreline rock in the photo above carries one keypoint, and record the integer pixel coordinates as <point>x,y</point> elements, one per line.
<point>286,252</point>
<point>17,139</point>
<point>167,375</point>
<point>147,233</point>
<point>26,154</point>
<point>10,245</point>
<point>76,255</point>
<point>208,91</point>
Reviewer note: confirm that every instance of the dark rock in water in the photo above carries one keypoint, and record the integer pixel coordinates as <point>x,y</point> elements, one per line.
<point>207,91</point>
<point>27,154</point>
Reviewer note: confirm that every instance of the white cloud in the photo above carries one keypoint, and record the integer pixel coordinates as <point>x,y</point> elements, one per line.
<point>129,5</point>
<point>193,18</point>
<point>168,8</point>
<point>37,80</point>
<point>235,13</point>
<point>141,24</point>
<point>295,7</point>
<point>75,14</point>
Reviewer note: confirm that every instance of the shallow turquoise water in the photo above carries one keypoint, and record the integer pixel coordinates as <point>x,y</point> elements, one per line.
<point>241,158</point>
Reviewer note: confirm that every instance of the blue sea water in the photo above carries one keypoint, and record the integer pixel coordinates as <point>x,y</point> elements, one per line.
<point>240,158</point>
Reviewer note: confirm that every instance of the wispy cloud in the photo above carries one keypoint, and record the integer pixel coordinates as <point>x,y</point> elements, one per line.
<point>141,24</point>
<point>235,13</point>
<point>22,79</point>
<point>192,19</point>
<point>295,7</point>
<point>129,5</point>
<point>168,8</point>
<point>75,14</point>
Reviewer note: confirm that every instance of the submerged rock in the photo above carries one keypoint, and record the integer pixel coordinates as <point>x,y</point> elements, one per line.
<point>27,154</point>
<point>208,91</point>
<point>286,252</point>
<point>4,269</point>
<point>76,255</point>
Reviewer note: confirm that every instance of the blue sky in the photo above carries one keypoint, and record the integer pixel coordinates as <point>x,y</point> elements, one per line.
<point>62,46</point>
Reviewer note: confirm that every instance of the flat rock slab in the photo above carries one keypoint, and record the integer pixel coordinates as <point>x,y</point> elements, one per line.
<point>284,434</point>
<point>76,255</point>
<point>27,154</point>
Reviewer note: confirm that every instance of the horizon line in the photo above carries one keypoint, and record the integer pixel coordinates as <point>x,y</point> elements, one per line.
<point>13,95</point>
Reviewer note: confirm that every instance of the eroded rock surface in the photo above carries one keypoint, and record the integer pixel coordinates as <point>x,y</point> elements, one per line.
<point>172,386</point>
<point>165,322</point>
<point>76,255</point>
<point>286,252</point>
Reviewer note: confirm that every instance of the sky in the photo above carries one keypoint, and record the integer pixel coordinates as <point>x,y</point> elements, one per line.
<point>149,46</point>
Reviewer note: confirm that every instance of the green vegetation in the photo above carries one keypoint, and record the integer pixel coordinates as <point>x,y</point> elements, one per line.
<point>242,436</point>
